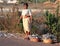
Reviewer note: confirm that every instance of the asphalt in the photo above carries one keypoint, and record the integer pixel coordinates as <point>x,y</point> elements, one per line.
<point>22,42</point>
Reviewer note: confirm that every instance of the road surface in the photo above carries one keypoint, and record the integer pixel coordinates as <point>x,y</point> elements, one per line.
<point>22,42</point>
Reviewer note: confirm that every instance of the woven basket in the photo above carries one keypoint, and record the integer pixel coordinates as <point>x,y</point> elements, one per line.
<point>48,41</point>
<point>34,39</point>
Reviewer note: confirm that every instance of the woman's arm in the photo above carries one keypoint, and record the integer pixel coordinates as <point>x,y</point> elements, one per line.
<point>30,14</point>
<point>31,18</point>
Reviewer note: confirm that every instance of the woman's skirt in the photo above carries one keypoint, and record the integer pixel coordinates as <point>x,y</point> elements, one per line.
<point>26,25</point>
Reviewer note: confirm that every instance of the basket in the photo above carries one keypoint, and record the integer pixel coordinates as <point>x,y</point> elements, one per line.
<point>48,41</point>
<point>34,39</point>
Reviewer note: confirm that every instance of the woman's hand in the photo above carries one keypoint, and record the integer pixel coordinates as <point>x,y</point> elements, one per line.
<point>30,19</point>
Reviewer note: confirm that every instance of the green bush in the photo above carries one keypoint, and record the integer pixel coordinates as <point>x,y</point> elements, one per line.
<point>53,23</point>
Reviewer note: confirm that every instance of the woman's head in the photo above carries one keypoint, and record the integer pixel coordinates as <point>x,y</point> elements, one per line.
<point>25,5</point>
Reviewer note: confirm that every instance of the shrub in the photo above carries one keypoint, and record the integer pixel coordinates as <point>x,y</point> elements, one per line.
<point>53,23</point>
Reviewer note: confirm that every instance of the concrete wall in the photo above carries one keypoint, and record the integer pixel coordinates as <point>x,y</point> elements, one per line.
<point>9,1</point>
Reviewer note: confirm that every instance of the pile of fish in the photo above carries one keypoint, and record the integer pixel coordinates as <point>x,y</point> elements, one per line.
<point>51,36</point>
<point>44,36</point>
<point>34,36</point>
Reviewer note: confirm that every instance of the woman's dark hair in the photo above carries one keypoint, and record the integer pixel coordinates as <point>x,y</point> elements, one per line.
<point>26,4</point>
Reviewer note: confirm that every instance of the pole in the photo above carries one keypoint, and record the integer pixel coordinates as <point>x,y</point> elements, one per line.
<point>35,3</point>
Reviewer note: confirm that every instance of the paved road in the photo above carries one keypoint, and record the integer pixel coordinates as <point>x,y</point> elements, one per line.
<point>21,42</point>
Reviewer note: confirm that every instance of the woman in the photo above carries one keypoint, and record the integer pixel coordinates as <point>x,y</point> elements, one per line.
<point>27,19</point>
